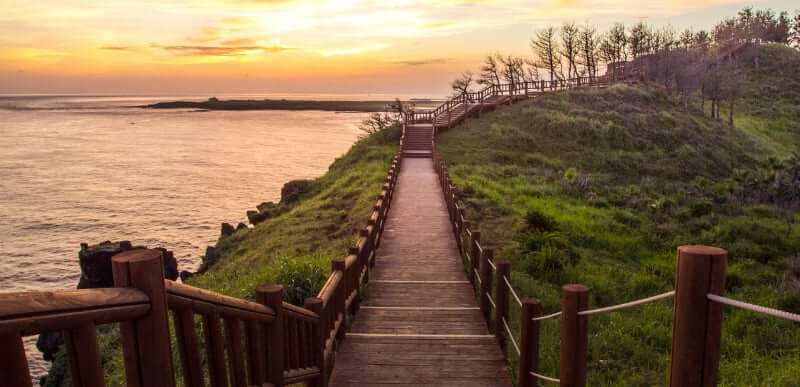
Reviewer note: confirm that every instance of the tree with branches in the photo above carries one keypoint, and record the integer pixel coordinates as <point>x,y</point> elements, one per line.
<point>490,70</point>
<point>463,84</point>
<point>569,48</point>
<point>545,49</point>
<point>587,53</point>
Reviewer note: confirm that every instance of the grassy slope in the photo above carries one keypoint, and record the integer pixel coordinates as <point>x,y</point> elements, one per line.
<point>317,228</point>
<point>624,175</point>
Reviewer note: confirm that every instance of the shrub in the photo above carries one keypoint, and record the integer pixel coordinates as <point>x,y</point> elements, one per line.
<point>301,277</point>
<point>538,221</point>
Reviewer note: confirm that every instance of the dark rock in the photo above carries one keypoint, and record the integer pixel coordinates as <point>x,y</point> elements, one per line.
<point>211,255</point>
<point>256,217</point>
<point>241,226</point>
<point>48,344</point>
<point>293,190</point>
<point>170,264</point>
<point>227,229</point>
<point>266,206</point>
<point>95,263</point>
<point>185,275</point>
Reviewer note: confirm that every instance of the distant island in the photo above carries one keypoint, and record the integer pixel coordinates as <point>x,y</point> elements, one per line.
<point>283,104</point>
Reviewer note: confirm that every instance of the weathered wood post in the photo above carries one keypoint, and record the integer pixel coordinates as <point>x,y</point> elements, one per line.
<point>314,304</point>
<point>256,359</point>
<point>84,356</point>
<point>340,297</point>
<point>574,335</point>
<point>501,301</point>
<point>272,297</point>
<point>462,245</point>
<point>486,284</point>
<point>475,254</point>
<point>14,371</point>
<point>145,342</point>
<point>529,342</point>
<point>696,320</point>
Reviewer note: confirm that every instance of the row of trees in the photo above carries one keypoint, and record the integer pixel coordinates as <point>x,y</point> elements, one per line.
<point>686,62</point>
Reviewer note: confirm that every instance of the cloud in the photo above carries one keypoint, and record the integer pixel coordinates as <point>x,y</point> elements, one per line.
<point>421,62</point>
<point>119,48</point>
<point>222,50</point>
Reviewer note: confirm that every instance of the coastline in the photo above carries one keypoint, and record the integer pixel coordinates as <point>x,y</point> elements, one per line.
<point>284,104</point>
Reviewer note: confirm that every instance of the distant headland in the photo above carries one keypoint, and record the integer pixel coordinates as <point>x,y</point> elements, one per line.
<point>284,104</point>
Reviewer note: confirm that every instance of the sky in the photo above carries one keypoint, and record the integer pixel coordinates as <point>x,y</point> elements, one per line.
<point>393,47</point>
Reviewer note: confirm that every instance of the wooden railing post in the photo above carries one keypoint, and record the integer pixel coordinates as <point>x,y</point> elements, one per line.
<point>314,304</point>
<point>529,342</point>
<point>475,253</point>
<point>501,301</point>
<point>340,298</point>
<point>256,358</point>
<point>84,356</point>
<point>486,284</point>
<point>14,371</point>
<point>145,342</point>
<point>574,335</point>
<point>272,296</point>
<point>696,320</point>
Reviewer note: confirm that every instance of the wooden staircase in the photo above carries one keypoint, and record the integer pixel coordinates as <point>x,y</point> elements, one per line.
<point>417,140</point>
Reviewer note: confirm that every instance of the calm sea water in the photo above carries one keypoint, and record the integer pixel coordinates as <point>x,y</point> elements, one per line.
<point>89,169</point>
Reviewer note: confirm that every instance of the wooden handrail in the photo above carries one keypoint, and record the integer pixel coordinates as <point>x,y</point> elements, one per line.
<point>209,297</point>
<point>32,313</point>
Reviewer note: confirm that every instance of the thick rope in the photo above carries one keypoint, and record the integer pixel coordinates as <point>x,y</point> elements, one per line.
<point>511,336</point>
<point>755,308</point>
<point>628,304</point>
<point>491,264</point>
<point>512,291</point>
<point>549,316</point>
<point>542,377</point>
<point>491,301</point>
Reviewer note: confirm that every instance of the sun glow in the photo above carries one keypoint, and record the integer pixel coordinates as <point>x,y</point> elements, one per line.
<point>310,42</point>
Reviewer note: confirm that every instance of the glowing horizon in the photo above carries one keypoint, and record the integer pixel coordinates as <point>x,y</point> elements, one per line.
<point>336,46</point>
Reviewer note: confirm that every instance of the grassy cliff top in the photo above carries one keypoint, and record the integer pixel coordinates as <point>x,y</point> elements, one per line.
<point>600,187</point>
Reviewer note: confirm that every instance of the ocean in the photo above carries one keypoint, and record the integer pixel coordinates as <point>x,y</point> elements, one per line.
<point>93,168</point>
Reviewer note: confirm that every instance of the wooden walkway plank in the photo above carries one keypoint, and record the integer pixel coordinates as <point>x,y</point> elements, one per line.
<point>419,323</point>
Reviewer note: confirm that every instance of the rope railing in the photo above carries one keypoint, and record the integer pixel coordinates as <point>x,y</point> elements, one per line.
<point>546,317</point>
<point>626,305</point>
<point>492,265</point>
<point>491,300</point>
<point>545,378</point>
<point>512,291</point>
<point>511,336</point>
<point>755,308</point>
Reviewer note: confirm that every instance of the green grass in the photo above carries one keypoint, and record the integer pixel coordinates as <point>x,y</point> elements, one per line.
<point>625,175</point>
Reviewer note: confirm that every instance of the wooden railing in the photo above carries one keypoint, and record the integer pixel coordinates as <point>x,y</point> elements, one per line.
<point>516,89</point>
<point>268,342</point>
<point>697,307</point>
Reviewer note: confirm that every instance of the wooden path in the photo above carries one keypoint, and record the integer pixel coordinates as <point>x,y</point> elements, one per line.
<point>395,342</point>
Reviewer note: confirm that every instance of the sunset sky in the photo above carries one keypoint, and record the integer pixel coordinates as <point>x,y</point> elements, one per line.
<point>277,46</point>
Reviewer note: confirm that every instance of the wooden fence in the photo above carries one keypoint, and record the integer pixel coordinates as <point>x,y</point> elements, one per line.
<point>268,342</point>
<point>697,307</point>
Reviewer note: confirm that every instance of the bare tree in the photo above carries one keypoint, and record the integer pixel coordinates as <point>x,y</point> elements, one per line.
<point>490,71</point>
<point>587,54</point>
<point>570,47</point>
<point>545,49</point>
<point>462,84</point>
<point>513,69</point>
<point>795,31</point>
<point>638,39</point>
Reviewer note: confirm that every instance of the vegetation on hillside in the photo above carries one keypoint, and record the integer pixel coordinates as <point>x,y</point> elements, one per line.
<point>600,186</point>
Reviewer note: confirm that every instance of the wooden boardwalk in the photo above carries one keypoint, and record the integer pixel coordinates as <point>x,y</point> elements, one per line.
<point>394,341</point>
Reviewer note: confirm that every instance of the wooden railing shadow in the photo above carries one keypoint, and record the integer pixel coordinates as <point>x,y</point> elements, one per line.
<point>263,343</point>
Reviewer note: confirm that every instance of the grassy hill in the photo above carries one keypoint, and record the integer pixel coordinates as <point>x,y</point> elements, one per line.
<point>600,186</point>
